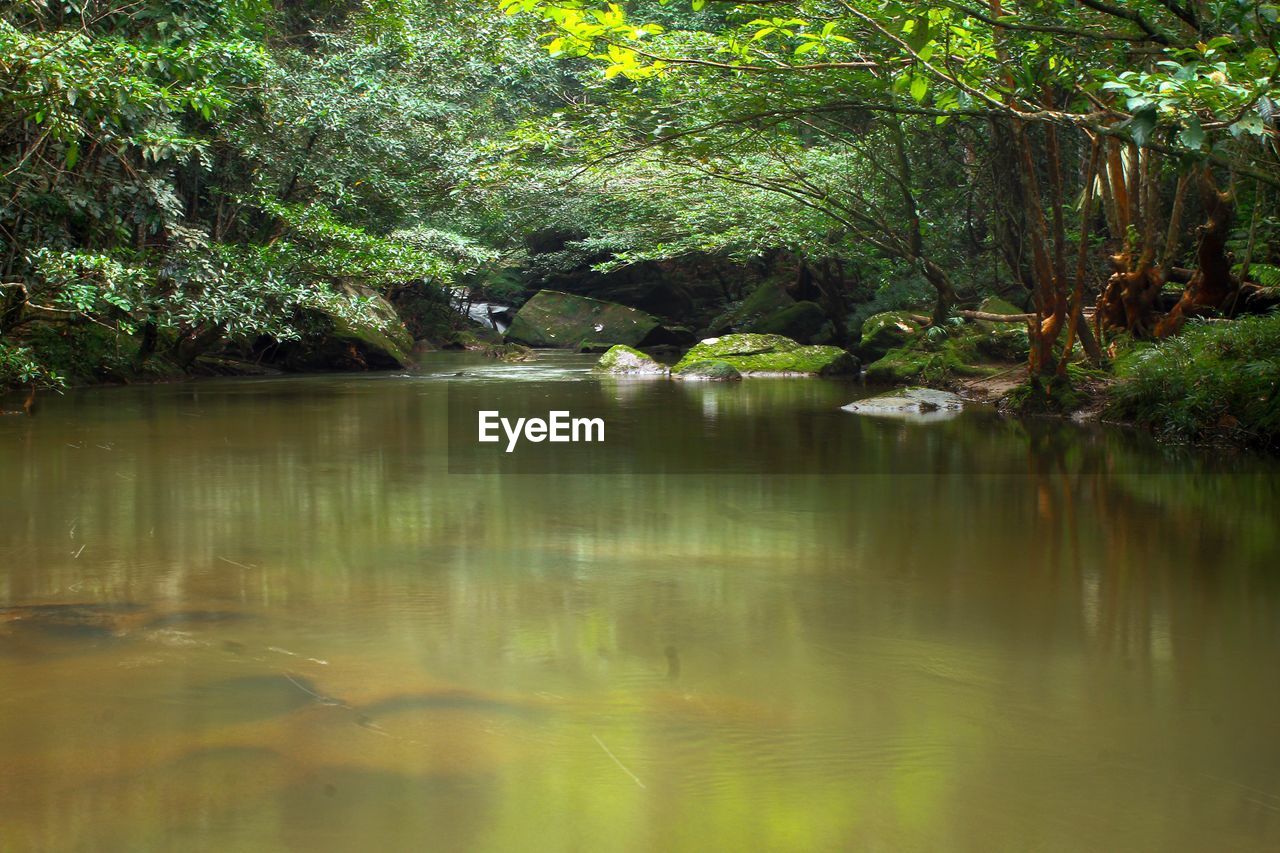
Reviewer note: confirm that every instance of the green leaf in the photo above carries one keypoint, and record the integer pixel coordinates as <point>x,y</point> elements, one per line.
<point>1249,124</point>
<point>1192,135</point>
<point>919,88</point>
<point>1142,125</point>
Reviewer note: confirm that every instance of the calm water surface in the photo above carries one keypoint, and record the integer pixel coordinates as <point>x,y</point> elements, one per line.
<point>270,614</point>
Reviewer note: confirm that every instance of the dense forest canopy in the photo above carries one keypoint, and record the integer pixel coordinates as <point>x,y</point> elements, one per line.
<point>183,179</point>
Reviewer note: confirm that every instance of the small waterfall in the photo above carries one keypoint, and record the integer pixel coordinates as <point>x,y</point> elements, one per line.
<point>487,314</point>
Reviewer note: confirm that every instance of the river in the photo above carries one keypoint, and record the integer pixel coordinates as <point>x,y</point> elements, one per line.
<point>297,613</point>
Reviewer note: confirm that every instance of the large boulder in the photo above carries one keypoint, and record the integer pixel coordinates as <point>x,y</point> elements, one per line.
<point>364,332</point>
<point>765,300</point>
<point>996,305</point>
<point>377,328</point>
<point>554,319</point>
<point>802,321</point>
<point>772,354</point>
<point>885,331</point>
<point>622,360</point>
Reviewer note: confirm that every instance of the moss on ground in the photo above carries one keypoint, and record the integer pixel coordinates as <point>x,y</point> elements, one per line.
<point>1057,395</point>
<point>950,353</point>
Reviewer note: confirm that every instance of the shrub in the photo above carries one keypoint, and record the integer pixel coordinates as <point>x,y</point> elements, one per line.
<point>18,366</point>
<point>1215,380</point>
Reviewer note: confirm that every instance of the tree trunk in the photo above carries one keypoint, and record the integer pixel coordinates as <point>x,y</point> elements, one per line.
<point>1213,285</point>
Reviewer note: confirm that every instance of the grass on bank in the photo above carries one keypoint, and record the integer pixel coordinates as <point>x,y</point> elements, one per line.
<point>1213,382</point>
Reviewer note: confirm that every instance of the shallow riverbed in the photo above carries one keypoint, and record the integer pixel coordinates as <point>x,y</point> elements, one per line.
<point>265,614</point>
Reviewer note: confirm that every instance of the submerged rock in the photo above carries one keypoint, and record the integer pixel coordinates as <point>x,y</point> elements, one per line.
<point>918,405</point>
<point>511,353</point>
<point>771,354</point>
<point>711,370</point>
<point>554,319</point>
<point>625,361</point>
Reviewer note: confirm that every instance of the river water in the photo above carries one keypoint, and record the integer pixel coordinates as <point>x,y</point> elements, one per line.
<point>265,614</point>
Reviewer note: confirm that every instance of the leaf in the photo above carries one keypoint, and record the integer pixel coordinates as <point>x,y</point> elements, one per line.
<point>919,88</point>
<point>1249,124</point>
<point>1192,135</point>
<point>1142,125</point>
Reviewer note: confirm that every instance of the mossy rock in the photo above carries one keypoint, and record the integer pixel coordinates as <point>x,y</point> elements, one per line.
<point>374,338</point>
<point>909,365</point>
<point>885,331</point>
<point>622,360</point>
<point>996,305</point>
<point>477,338</point>
<point>767,299</point>
<point>555,319</point>
<point>801,322</point>
<point>757,353</point>
<point>511,353</point>
<point>1005,342</point>
<point>711,370</point>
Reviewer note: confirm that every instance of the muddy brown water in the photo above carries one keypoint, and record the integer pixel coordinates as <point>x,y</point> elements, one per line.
<point>269,614</point>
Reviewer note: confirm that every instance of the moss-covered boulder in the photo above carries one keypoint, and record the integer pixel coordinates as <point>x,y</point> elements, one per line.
<point>711,370</point>
<point>1005,342</point>
<point>622,360</point>
<point>554,319</point>
<point>767,299</point>
<point>949,353</point>
<point>360,332</point>
<point>772,354</point>
<point>996,305</point>
<point>476,338</point>
<point>801,322</point>
<point>885,331</point>
<point>377,328</point>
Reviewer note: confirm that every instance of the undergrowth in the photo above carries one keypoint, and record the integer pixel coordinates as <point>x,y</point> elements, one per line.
<point>1214,381</point>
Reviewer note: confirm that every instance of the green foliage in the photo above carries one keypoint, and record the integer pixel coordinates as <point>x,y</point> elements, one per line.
<point>1214,381</point>
<point>204,174</point>
<point>19,366</point>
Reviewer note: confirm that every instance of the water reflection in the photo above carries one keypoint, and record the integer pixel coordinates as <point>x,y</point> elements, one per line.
<point>263,614</point>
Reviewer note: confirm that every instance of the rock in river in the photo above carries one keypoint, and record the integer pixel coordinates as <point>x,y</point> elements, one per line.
<point>771,354</point>
<point>625,361</point>
<point>917,405</point>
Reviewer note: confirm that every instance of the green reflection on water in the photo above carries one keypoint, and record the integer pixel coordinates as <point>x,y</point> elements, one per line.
<point>286,624</point>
